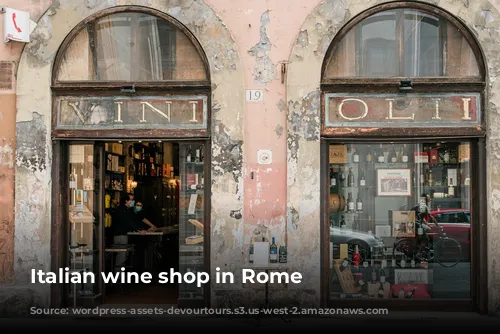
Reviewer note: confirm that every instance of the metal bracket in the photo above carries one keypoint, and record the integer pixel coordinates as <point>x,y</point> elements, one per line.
<point>405,86</point>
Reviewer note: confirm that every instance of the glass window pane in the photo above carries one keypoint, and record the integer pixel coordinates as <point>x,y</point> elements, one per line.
<point>191,216</point>
<point>84,213</point>
<point>131,47</point>
<point>397,220</point>
<point>402,43</point>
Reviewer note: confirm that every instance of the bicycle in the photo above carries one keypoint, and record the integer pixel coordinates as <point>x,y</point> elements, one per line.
<point>441,248</point>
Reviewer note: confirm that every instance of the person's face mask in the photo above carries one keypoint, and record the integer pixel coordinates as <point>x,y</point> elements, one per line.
<point>132,203</point>
<point>138,208</point>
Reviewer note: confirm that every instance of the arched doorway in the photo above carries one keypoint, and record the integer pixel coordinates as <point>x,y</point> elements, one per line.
<point>403,140</point>
<point>131,95</point>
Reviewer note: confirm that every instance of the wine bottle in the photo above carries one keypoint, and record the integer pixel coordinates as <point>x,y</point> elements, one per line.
<point>451,188</point>
<point>350,203</point>
<point>189,155</point>
<point>350,178</point>
<point>72,180</point>
<point>283,254</point>
<point>401,293</point>
<point>369,157</point>
<point>342,176</point>
<point>359,203</point>
<point>356,257</point>
<point>394,156</point>
<point>355,156</point>
<point>430,178</point>
<point>381,156</point>
<point>343,224</point>
<point>374,275</point>
<point>362,180</point>
<point>273,252</point>
<point>411,293</point>
<point>412,263</point>
<point>403,262</point>
<point>197,154</point>
<point>333,179</point>
<point>404,154</point>
<point>381,293</point>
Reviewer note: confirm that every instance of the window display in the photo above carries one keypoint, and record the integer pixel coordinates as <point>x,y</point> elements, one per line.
<point>400,220</point>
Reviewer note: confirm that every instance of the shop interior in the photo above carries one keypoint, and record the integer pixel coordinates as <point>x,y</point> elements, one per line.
<point>378,247</point>
<point>167,182</point>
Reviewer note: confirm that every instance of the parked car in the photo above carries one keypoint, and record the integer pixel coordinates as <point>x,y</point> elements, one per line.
<point>368,244</point>
<point>456,225</point>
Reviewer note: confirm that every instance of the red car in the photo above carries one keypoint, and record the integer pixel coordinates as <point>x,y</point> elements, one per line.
<point>456,225</point>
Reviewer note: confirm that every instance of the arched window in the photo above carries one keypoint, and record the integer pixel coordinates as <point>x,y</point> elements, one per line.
<point>130,46</point>
<point>131,68</point>
<point>403,42</point>
<point>403,133</point>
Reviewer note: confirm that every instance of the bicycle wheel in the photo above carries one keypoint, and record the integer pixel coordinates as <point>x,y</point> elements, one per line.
<point>447,252</point>
<point>407,247</point>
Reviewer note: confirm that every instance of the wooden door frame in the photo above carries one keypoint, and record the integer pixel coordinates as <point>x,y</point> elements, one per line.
<point>59,210</point>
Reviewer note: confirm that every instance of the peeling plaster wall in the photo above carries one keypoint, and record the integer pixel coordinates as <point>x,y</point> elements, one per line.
<point>34,156</point>
<point>303,96</point>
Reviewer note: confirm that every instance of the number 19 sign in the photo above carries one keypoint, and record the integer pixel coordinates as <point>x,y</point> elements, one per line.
<point>255,95</point>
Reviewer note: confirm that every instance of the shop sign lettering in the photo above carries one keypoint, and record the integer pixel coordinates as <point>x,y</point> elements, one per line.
<point>376,110</point>
<point>189,112</point>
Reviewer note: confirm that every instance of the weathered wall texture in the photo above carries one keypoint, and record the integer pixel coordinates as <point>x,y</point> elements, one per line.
<point>307,55</point>
<point>33,168</point>
<point>246,43</point>
<point>9,56</point>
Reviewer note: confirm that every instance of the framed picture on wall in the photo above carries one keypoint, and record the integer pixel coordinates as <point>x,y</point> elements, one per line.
<point>394,182</point>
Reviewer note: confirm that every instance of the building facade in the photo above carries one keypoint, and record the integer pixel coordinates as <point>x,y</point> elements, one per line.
<point>288,88</point>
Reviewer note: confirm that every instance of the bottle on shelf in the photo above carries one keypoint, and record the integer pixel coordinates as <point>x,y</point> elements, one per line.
<point>189,154</point>
<point>355,156</point>
<point>359,203</point>
<point>403,262</point>
<point>369,157</point>
<point>350,178</point>
<point>412,263</point>
<point>411,293</point>
<point>333,179</point>
<point>350,203</point>
<point>381,156</point>
<point>343,225</point>
<point>394,156</point>
<point>422,176</point>
<point>356,257</point>
<point>197,156</point>
<point>401,293</point>
<point>273,252</point>
<point>404,154</point>
<point>72,180</point>
<point>446,156</point>
<point>283,254</point>
<point>430,178</point>
<point>362,179</point>
<point>342,176</point>
<point>451,188</point>
<point>382,275</point>
<point>374,275</point>
<point>355,224</point>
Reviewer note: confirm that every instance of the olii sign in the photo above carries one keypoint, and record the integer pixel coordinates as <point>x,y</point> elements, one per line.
<point>345,110</point>
<point>188,112</point>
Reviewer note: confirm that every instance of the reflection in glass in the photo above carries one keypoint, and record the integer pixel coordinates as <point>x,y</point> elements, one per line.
<point>191,216</point>
<point>400,214</point>
<point>131,47</point>
<point>402,43</point>
<point>84,219</point>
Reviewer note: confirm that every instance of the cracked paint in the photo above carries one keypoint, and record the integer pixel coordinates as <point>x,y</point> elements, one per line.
<point>264,70</point>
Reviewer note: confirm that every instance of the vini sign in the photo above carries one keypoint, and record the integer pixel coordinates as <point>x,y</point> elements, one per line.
<point>146,112</point>
<point>379,110</point>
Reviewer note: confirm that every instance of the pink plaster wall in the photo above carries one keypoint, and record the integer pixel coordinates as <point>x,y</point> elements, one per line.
<point>10,53</point>
<point>265,195</point>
